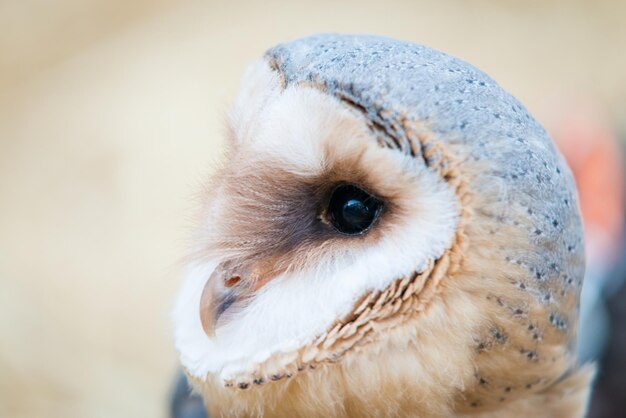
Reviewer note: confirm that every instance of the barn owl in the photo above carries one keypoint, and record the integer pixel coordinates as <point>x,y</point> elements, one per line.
<point>390,234</point>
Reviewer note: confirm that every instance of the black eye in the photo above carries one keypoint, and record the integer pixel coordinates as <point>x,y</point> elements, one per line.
<point>352,210</point>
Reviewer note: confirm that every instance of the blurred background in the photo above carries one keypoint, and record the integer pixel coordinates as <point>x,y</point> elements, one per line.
<point>111,114</point>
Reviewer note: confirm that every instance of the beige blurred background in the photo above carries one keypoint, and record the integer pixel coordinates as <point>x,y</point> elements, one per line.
<point>111,116</point>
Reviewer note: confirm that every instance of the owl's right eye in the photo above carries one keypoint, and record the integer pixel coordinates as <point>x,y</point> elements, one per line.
<point>352,210</point>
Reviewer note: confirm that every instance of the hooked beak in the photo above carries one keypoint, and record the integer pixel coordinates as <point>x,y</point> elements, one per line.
<point>230,284</point>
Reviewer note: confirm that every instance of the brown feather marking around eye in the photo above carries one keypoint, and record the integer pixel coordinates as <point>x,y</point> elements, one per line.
<point>269,211</point>
<point>270,220</point>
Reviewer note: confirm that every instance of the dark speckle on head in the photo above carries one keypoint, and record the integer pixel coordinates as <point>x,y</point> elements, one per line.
<point>558,321</point>
<point>499,336</point>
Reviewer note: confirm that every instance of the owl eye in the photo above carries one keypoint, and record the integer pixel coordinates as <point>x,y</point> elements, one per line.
<point>352,210</point>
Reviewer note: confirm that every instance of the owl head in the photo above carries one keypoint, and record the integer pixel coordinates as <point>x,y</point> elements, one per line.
<point>388,230</point>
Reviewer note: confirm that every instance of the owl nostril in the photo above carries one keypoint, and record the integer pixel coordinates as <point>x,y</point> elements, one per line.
<point>232,281</point>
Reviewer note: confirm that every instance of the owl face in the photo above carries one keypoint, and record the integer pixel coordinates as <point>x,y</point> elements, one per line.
<point>309,212</point>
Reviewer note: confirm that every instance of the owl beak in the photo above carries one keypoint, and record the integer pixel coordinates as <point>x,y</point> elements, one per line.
<point>230,284</point>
